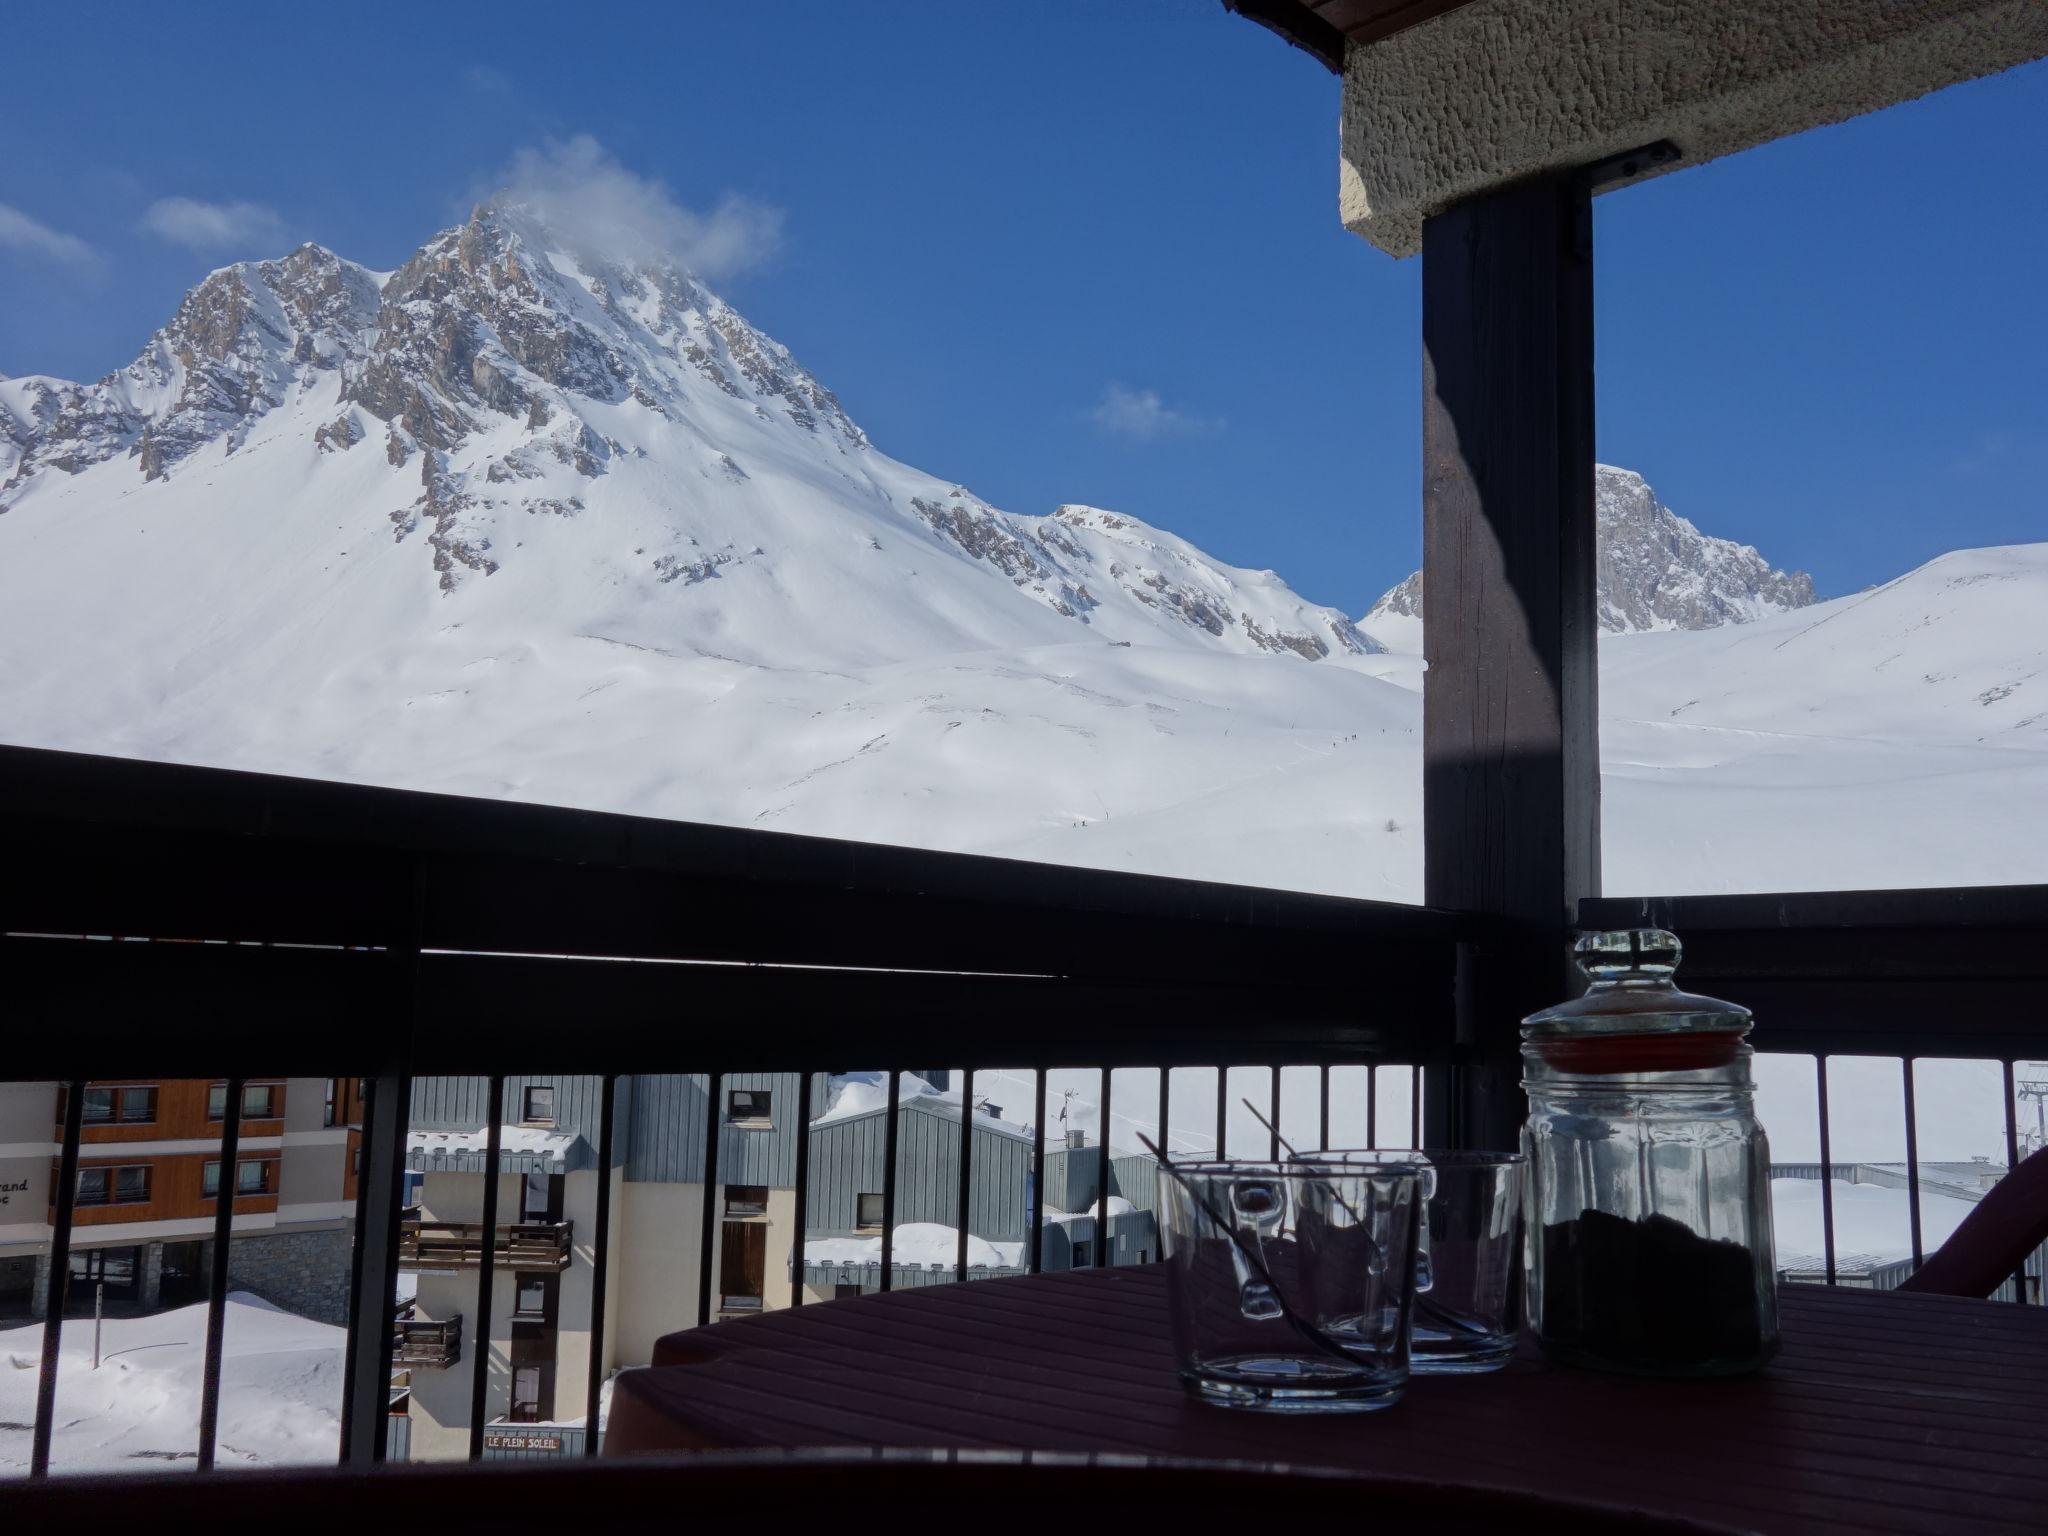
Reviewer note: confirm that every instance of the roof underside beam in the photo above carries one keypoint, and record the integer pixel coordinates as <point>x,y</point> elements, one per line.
<point>1446,100</point>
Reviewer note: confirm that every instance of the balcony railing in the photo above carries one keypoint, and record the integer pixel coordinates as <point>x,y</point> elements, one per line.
<point>520,1245</point>
<point>427,1344</point>
<point>410,935</point>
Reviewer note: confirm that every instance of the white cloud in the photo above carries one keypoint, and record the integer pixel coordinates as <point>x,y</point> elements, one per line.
<point>586,197</point>
<point>1142,415</point>
<point>19,232</point>
<point>206,226</point>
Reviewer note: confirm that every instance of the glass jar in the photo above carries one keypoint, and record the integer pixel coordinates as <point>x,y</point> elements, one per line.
<point>1649,1183</point>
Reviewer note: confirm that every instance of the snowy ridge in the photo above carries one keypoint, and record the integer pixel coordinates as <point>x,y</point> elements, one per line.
<point>1656,571</point>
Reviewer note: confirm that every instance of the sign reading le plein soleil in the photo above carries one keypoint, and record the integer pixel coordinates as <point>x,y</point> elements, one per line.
<point>520,1440</point>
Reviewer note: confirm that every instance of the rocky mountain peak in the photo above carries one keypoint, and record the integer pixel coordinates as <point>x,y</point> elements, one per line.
<point>242,342</point>
<point>1656,570</point>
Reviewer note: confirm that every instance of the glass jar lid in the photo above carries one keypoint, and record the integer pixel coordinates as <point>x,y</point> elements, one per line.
<point>1632,992</point>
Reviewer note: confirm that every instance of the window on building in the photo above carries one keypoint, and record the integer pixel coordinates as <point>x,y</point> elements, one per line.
<point>526,1395</point>
<point>746,1200</point>
<point>868,1213</point>
<point>259,1101</point>
<point>533,1297</point>
<point>742,1266</point>
<point>749,1106</point>
<point>539,1196</point>
<point>253,1176</point>
<point>113,1186</point>
<point>134,1105</point>
<point>540,1106</point>
<point>327,1111</point>
<point>845,1292</point>
<point>115,1268</point>
<point>1083,1255</point>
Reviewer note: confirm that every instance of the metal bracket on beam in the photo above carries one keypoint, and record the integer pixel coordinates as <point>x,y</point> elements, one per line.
<point>1615,171</point>
<point>1629,165</point>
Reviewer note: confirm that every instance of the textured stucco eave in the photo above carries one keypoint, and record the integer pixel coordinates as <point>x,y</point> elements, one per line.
<point>1500,90</point>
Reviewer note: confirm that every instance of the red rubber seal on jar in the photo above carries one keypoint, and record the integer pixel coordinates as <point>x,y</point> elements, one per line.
<point>1686,1052</point>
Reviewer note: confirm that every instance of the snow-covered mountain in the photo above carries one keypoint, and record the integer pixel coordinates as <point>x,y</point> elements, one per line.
<point>1655,569</point>
<point>498,395</point>
<point>518,520</point>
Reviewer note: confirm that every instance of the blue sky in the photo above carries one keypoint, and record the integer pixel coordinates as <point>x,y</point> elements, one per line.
<point>1087,252</point>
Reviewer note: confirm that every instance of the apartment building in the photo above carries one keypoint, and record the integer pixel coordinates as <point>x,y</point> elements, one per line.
<point>148,1179</point>
<point>549,1172</point>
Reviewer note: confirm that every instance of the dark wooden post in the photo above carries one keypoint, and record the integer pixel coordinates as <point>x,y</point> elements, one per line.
<point>1511,789</point>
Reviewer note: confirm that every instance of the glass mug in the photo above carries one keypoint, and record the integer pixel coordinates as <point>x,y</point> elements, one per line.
<point>1465,1315</point>
<point>1291,1283</point>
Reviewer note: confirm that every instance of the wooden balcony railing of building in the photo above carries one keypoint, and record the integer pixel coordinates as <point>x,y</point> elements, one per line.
<point>419,1342</point>
<point>520,1245</point>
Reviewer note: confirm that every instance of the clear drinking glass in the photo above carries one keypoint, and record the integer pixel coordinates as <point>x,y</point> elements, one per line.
<point>1291,1283</point>
<point>1466,1303</point>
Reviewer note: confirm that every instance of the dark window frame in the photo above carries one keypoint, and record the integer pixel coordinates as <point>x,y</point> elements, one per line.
<point>526,1104</point>
<point>538,1286</point>
<point>861,1208</point>
<point>111,1175</point>
<point>526,1410</point>
<point>266,1182</point>
<point>750,1108</point>
<point>115,1096</point>
<point>738,1205</point>
<point>217,1102</point>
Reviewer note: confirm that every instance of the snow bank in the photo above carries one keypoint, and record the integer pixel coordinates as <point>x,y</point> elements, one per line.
<point>139,1412</point>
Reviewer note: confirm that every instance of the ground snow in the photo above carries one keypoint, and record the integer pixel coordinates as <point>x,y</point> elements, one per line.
<point>280,1390</point>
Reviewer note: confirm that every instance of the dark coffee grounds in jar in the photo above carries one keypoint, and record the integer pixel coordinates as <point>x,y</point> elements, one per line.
<point>1649,1295</point>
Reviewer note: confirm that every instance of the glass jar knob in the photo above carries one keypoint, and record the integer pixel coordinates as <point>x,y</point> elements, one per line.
<point>1617,954</point>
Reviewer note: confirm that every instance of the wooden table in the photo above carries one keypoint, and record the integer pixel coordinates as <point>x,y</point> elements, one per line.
<point>1885,1412</point>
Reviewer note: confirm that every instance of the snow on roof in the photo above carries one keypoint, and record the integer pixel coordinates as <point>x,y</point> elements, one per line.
<point>916,1242</point>
<point>1118,1206</point>
<point>513,1141</point>
<point>867,1093</point>
<point>1873,1224</point>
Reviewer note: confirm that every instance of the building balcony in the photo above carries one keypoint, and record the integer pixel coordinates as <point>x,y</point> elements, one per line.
<point>418,1342</point>
<point>519,1245</point>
